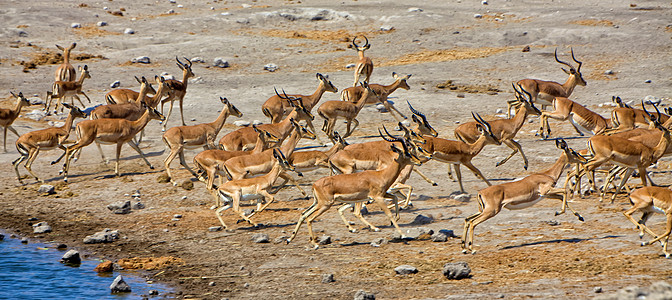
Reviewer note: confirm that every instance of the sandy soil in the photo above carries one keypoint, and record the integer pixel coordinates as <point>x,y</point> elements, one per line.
<point>521,254</point>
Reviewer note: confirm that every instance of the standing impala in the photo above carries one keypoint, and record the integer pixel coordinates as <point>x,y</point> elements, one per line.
<point>364,65</point>
<point>332,110</point>
<point>7,116</point>
<point>118,96</point>
<point>515,195</point>
<point>61,89</point>
<point>177,90</point>
<point>66,72</point>
<point>543,92</point>
<point>110,131</point>
<point>277,108</point>
<point>382,92</point>
<point>30,144</point>
<point>194,136</point>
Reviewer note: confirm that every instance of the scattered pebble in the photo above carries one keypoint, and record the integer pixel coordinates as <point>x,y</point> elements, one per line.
<point>526,49</point>
<point>386,28</point>
<point>348,66</point>
<point>241,123</point>
<point>41,227</point>
<point>71,257</point>
<point>324,240</point>
<point>271,67</point>
<point>46,189</point>
<point>327,278</point>
<point>115,84</point>
<point>120,207</point>
<point>609,72</point>
<point>484,2</point>
<point>76,25</point>
<point>260,238</point>
<point>415,9</point>
<point>105,236</point>
<point>478,16</point>
<point>24,241</point>
<point>141,60</point>
<point>170,11</point>
<point>215,228</point>
<point>101,24</point>
<point>153,292</point>
<point>647,81</point>
<point>406,269</point>
<point>220,62</point>
<point>362,295</point>
<point>212,283</point>
<point>129,31</point>
<point>119,286</point>
<point>456,270</point>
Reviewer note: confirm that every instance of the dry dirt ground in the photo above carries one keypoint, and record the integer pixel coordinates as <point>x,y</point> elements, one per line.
<point>521,254</point>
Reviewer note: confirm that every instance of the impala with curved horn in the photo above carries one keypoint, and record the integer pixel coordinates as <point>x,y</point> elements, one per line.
<point>364,65</point>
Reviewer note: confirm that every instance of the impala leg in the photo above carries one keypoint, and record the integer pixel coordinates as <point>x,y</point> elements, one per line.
<point>430,181</point>
<point>465,232</point>
<point>183,162</point>
<point>450,174</point>
<point>397,188</point>
<point>62,154</point>
<point>170,111</point>
<point>381,203</point>
<point>341,213</point>
<point>29,163</point>
<point>236,208</point>
<point>458,173</point>
<point>358,213</point>
<point>219,212</point>
<point>485,215</point>
<point>169,159</point>
<point>305,214</point>
<point>289,178</point>
<point>137,149</point>
<point>87,97</point>
<point>476,171</point>
<point>392,109</point>
<point>116,162</point>
<point>102,155</point>
<point>665,236</point>
<point>17,162</point>
<point>80,101</point>
<point>268,198</point>
<point>4,138</point>
<point>623,181</point>
<point>641,225</point>
<point>309,224</point>
<point>559,194</point>
<point>516,148</point>
<point>181,112</point>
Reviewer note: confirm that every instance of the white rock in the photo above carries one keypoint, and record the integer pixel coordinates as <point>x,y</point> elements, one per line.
<point>197,59</point>
<point>245,5</point>
<point>129,31</point>
<point>76,25</point>
<point>180,6</point>
<point>478,16</point>
<point>141,60</point>
<point>172,1</point>
<point>101,24</point>
<point>115,84</point>
<point>609,72</point>
<point>348,66</point>
<point>415,9</point>
<point>225,13</point>
<point>170,11</point>
<point>484,2</point>
<point>220,62</point>
<point>106,8</point>
<point>257,122</point>
<point>386,28</point>
<point>271,67</point>
<point>241,123</point>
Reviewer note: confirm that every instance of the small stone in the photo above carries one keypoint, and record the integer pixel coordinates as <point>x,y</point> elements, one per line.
<point>327,278</point>
<point>137,205</point>
<point>61,246</point>
<point>245,5</point>
<point>415,9</point>
<point>76,25</point>
<point>46,189</point>
<point>246,285</point>
<point>184,198</point>
<point>419,233</point>
<point>456,270</point>
<point>348,66</point>
<point>115,84</point>
<point>362,295</point>
<point>324,240</point>
<point>609,72</point>
<point>406,269</point>
<point>24,241</point>
<point>215,228</point>
<point>280,240</point>
<point>526,49</point>
<point>105,236</point>
<point>41,227</point>
<point>386,28</point>
<point>422,220</point>
<point>2,236</point>
<point>260,238</point>
<point>478,16</point>
<point>104,267</point>
<point>439,237</point>
<point>460,95</point>
<point>170,11</point>
<point>187,185</point>
<point>71,257</point>
<point>597,289</point>
<point>379,242</point>
<point>101,24</point>
<point>119,286</point>
<point>153,292</point>
<point>241,123</point>
<point>141,60</point>
<point>484,2</point>
<point>212,283</point>
<point>129,31</point>
<point>220,62</point>
<point>32,219</point>
<point>197,59</point>
<point>647,81</point>
<point>271,67</point>
<point>121,207</point>
<point>381,108</point>
<point>364,211</point>
<point>177,216</point>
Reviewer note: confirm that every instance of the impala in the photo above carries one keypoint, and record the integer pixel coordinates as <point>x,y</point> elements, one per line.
<point>118,96</point>
<point>7,117</point>
<point>30,144</point>
<point>504,130</point>
<point>194,136</point>
<point>177,90</point>
<point>356,187</point>
<point>246,166</point>
<point>581,118</point>
<point>61,89</point>
<point>252,188</point>
<point>543,92</point>
<point>310,160</point>
<point>332,110</point>
<point>246,138</point>
<point>111,131</point>
<point>364,65</point>
<point>625,118</point>
<point>626,153</point>
<point>515,195</point>
<point>648,200</point>
<point>277,108</point>
<point>381,95</point>
<point>65,72</point>
<point>210,161</point>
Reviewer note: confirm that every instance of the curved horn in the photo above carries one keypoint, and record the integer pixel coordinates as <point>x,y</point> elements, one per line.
<point>178,61</point>
<point>137,79</point>
<point>366,41</point>
<point>562,62</point>
<point>486,124</point>
<point>652,117</point>
<point>413,110</point>
<point>384,137</point>
<point>354,42</point>
<point>529,96</point>
<point>189,61</point>
<point>578,69</point>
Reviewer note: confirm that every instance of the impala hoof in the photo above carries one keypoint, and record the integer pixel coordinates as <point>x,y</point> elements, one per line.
<point>152,167</point>
<point>435,184</point>
<point>667,255</point>
<point>473,252</point>
<point>464,251</point>
<point>643,244</point>
<point>580,218</point>
<point>557,213</point>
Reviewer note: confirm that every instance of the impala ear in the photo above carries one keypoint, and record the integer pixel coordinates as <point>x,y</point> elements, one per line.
<point>60,48</point>
<point>395,149</point>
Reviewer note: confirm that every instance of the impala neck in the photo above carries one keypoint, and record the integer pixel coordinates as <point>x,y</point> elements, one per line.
<point>185,77</point>
<point>290,144</point>
<point>360,54</point>
<point>389,89</point>
<point>66,56</point>
<point>68,121</point>
<point>142,94</point>
<point>154,100</point>
<point>335,148</point>
<point>139,124</point>
<point>81,78</point>
<point>520,117</point>
<point>17,109</point>
<point>219,122</point>
<point>390,174</point>
<point>659,149</point>
<point>556,169</point>
<point>478,145</point>
<point>316,96</point>
<point>285,126</point>
<point>362,101</point>
<point>569,85</point>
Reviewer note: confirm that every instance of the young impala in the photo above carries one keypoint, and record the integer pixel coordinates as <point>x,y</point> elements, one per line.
<point>177,90</point>
<point>66,72</point>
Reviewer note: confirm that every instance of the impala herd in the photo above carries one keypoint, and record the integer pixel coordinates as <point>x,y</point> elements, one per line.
<point>250,160</point>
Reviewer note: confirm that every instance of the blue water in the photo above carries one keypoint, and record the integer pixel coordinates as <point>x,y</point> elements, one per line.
<point>29,272</point>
